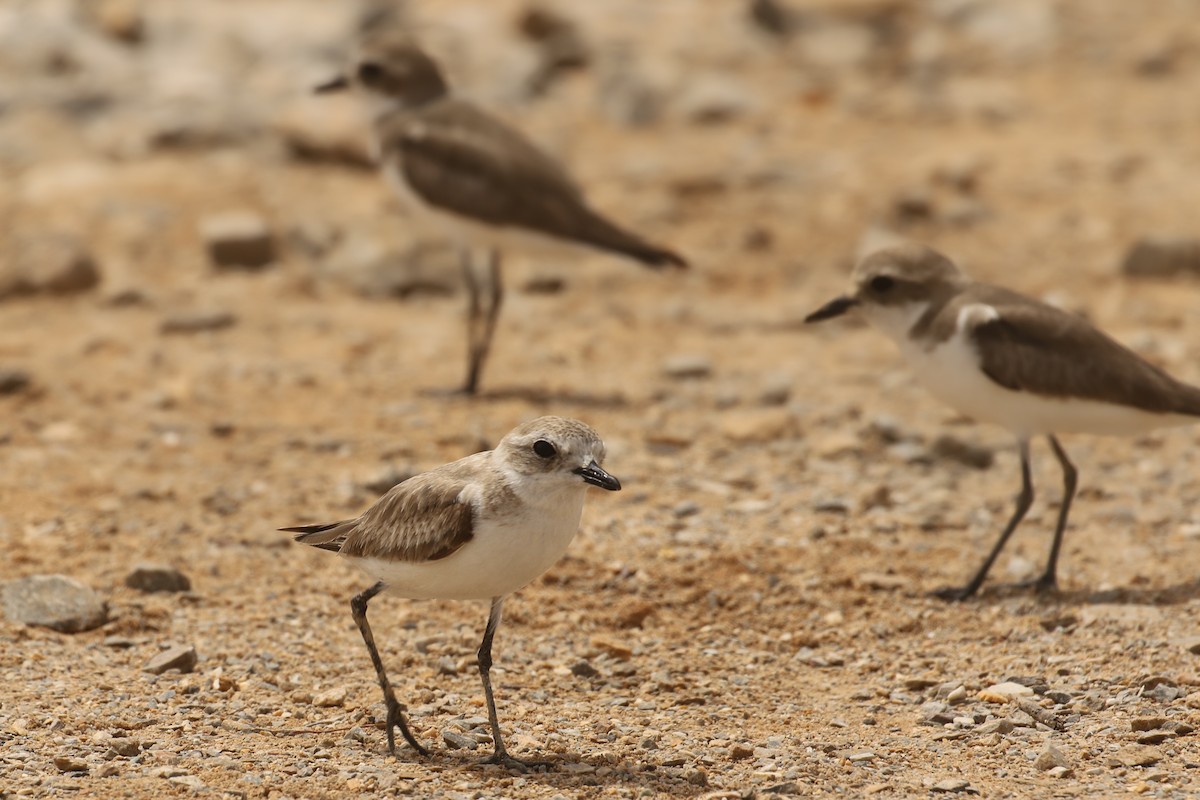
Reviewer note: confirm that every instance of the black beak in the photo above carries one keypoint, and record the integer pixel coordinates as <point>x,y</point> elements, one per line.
<point>336,85</point>
<point>594,474</point>
<point>834,308</point>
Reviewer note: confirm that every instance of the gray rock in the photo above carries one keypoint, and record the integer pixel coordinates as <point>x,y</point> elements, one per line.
<point>197,322</point>
<point>457,741</point>
<point>157,578</point>
<point>953,785</point>
<point>53,601</point>
<point>1049,758</point>
<point>50,264</point>
<point>238,240</point>
<point>683,367</point>
<point>181,657</point>
<point>951,448</point>
<point>1162,257</point>
<point>583,669</point>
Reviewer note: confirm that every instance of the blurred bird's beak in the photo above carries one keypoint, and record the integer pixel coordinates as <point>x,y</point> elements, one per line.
<point>594,474</point>
<point>834,308</point>
<point>338,84</point>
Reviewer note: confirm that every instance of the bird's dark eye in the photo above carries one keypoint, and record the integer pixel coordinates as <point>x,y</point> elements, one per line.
<point>369,72</point>
<point>882,284</point>
<point>544,449</point>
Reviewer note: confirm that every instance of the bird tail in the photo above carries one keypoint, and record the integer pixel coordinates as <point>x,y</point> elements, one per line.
<point>330,536</point>
<point>602,234</point>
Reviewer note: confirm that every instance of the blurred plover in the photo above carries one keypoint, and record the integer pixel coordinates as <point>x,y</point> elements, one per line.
<point>482,181</point>
<point>476,529</point>
<point>1001,357</point>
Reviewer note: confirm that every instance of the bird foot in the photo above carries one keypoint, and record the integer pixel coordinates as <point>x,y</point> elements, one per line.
<point>395,719</point>
<point>953,594</point>
<point>503,759</point>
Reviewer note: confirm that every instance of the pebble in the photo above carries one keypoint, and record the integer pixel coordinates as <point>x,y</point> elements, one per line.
<point>181,657</point>
<point>330,697</point>
<point>1049,758</point>
<point>952,785</point>
<point>197,322</point>
<point>1162,257</point>
<point>715,98</point>
<point>70,764</point>
<point>584,669</point>
<point>951,448</point>
<point>238,240</point>
<point>157,578</point>
<point>683,367</point>
<point>1136,756</point>
<point>53,601</point>
<point>758,425</point>
<point>740,752</point>
<point>1004,692</point>
<point>457,741</point>
<point>1147,723</point>
<point>14,381</point>
<point>48,264</point>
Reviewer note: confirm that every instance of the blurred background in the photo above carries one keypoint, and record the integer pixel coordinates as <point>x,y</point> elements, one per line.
<point>216,320</point>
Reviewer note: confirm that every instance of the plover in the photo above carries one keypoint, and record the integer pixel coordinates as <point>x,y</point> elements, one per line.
<point>476,529</point>
<point>1001,357</point>
<point>479,179</point>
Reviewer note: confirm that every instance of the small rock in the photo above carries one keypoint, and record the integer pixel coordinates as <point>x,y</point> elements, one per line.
<point>423,269</point>
<point>330,698</point>
<point>583,669</point>
<point>47,265</point>
<point>457,741</point>
<point>912,205</point>
<point>1191,644</point>
<point>128,748</point>
<point>715,98</point>
<point>70,764</point>
<point>1002,726</point>
<point>1004,692</point>
<point>238,240</point>
<point>1154,737</point>
<point>772,17</point>
<point>740,752</point>
<point>861,757</point>
<point>181,657</point>
<point>951,448</point>
<point>387,478</point>
<point>684,367</point>
<point>1136,756</point>
<point>1060,772</point>
<point>1147,723</point>
<point>53,601</point>
<point>157,578</point>
<point>953,785</point>
<point>544,284</point>
<point>14,381</point>
<point>197,322</point>
<point>1162,257</point>
<point>1049,758</point>
<point>614,649</point>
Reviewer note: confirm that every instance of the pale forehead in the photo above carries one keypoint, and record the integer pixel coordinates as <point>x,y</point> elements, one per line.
<point>558,428</point>
<point>913,263</point>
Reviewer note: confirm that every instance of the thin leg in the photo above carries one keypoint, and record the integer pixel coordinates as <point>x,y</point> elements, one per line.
<point>395,711</point>
<point>500,753</point>
<point>1048,581</point>
<point>1024,501</point>
<point>475,349</point>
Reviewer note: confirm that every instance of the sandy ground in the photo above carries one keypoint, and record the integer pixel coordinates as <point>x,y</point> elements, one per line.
<point>750,615</point>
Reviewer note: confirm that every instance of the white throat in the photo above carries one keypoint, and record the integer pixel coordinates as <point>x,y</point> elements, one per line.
<point>895,321</point>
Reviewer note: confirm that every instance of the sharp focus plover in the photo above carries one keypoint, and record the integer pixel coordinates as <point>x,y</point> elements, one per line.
<point>484,183</point>
<point>476,529</point>
<point>999,356</point>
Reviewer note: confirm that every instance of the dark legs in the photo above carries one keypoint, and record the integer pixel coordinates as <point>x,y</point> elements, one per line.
<point>1049,580</point>
<point>1024,500</point>
<point>481,321</point>
<point>500,754</point>
<point>395,711</point>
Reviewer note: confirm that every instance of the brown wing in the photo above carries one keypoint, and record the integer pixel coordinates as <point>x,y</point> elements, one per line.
<point>461,160</point>
<point>1037,348</point>
<point>423,519</point>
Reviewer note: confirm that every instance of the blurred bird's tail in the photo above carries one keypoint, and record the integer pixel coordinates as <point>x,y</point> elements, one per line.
<point>330,536</point>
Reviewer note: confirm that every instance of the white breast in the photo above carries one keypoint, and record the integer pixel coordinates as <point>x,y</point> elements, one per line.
<point>951,372</point>
<point>506,553</point>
